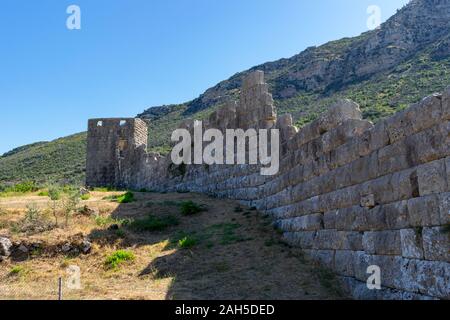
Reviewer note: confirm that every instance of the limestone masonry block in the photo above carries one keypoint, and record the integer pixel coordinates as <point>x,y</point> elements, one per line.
<point>424,211</point>
<point>304,223</point>
<point>431,278</point>
<point>382,242</point>
<point>432,177</point>
<point>344,262</point>
<point>325,257</point>
<point>444,208</point>
<point>368,201</point>
<point>436,244</point>
<point>338,113</point>
<point>329,219</point>
<point>411,240</point>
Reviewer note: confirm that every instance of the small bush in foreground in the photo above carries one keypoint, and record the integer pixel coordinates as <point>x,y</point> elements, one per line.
<point>122,198</point>
<point>85,197</point>
<point>152,223</point>
<point>114,260</point>
<point>17,270</point>
<point>187,242</point>
<point>189,208</point>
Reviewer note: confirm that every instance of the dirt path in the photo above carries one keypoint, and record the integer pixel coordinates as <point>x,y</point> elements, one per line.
<point>236,255</point>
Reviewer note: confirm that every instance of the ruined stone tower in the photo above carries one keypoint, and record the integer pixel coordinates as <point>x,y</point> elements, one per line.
<point>111,145</point>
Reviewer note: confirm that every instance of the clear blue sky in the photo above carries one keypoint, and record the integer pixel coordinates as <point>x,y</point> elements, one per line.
<point>132,54</point>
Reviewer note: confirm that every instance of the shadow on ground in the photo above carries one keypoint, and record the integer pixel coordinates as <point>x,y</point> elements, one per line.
<point>228,252</point>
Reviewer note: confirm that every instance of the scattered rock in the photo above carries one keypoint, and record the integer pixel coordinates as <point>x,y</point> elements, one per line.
<point>22,248</point>
<point>86,246</point>
<point>5,247</point>
<point>66,247</point>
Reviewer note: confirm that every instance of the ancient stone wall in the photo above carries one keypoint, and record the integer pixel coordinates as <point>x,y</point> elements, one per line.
<point>112,145</point>
<point>349,193</point>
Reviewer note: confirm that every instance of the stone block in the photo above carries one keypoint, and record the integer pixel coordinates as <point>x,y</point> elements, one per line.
<point>368,201</point>
<point>436,243</point>
<point>398,126</point>
<point>430,278</point>
<point>395,157</point>
<point>404,185</point>
<point>444,208</point>
<point>378,137</point>
<point>344,262</point>
<point>396,215</point>
<point>304,223</point>
<point>329,219</point>
<point>432,178</point>
<point>426,113</point>
<point>351,219</point>
<point>411,240</point>
<point>323,257</point>
<point>382,242</point>
<point>304,240</point>
<point>424,211</point>
<point>351,240</point>
<point>339,112</point>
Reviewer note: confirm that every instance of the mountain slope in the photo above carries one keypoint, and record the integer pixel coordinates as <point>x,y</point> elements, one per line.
<point>383,70</point>
<point>61,160</point>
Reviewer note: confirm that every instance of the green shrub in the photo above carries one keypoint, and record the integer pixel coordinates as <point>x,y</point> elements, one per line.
<point>17,270</point>
<point>126,198</point>
<point>33,222</point>
<point>114,260</point>
<point>187,242</point>
<point>43,193</point>
<point>152,223</point>
<point>106,221</point>
<point>121,198</point>
<point>54,193</point>
<point>24,187</point>
<point>85,197</point>
<point>190,208</point>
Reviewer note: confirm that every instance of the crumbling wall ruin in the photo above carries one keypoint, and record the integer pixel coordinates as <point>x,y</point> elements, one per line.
<point>349,193</point>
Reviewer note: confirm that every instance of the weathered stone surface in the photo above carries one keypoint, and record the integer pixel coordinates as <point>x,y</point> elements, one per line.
<point>382,242</point>
<point>424,211</point>
<point>304,223</point>
<point>368,201</point>
<point>411,240</point>
<point>344,262</point>
<point>436,243</point>
<point>338,113</point>
<point>325,257</point>
<point>329,219</point>
<point>5,246</point>
<point>430,278</point>
<point>444,208</point>
<point>432,178</point>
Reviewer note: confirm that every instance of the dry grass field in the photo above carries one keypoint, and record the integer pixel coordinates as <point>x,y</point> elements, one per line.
<point>148,249</point>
